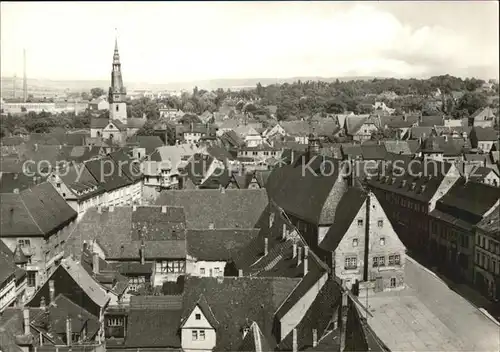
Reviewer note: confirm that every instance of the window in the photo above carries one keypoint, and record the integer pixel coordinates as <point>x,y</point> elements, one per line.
<point>378,261</point>
<point>380,223</point>
<point>202,271</point>
<point>351,263</point>
<point>197,316</point>
<point>355,242</point>
<point>393,282</point>
<point>394,259</point>
<point>167,266</point>
<point>115,321</point>
<point>382,241</point>
<point>216,271</point>
<point>24,243</point>
<point>31,278</point>
<point>58,185</point>
<point>360,222</point>
<point>194,335</point>
<point>117,108</point>
<point>202,335</point>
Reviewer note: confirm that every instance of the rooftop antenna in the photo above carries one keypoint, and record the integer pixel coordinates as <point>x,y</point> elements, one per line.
<point>25,80</point>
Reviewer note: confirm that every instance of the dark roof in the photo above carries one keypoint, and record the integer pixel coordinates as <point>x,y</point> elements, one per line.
<point>419,181</point>
<point>420,132</point>
<point>219,153</point>
<point>7,266</point>
<point>36,211</point>
<point>116,232</point>
<point>53,320</point>
<point>227,209</point>
<point>431,121</point>
<point>348,207</point>
<point>218,178</point>
<point>218,244</point>
<point>306,195</point>
<point>232,139</point>
<point>254,340</point>
<point>318,316</point>
<point>150,143</point>
<point>15,140</point>
<point>108,174</point>
<point>153,327</point>
<point>373,152</point>
<point>469,201</point>
<point>237,301</point>
<point>129,167</point>
<point>491,224</point>
<point>198,166</point>
<point>20,181</point>
<point>352,151</point>
<point>398,121</point>
<point>485,133</point>
<point>99,123</point>
<point>19,256</point>
<point>133,268</point>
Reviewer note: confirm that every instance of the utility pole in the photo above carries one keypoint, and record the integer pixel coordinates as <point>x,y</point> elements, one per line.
<point>25,80</point>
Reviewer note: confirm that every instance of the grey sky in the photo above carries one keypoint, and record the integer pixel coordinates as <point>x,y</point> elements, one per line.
<point>181,41</point>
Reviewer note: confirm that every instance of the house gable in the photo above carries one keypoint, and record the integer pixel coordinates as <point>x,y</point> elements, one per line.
<point>197,319</point>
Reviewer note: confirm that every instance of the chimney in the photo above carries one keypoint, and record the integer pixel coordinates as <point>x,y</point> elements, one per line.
<point>26,316</point>
<point>164,209</point>
<point>211,226</point>
<point>284,232</point>
<point>36,147</point>
<point>306,260</point>
<point>222,189</point>
<point>68,331</point>
<point>299,256</point>
<point>266,246</point>
<point>315,338</point>
<point>134,207</point>
<point>294,250</point>
<point>240,273</point>
<point>85,245</point>
<point>99,209</point>
<point>16,191</point>
<point>143,254</point>
<point>51,291</point>
<point>111,208</point>
<point>95,262</point>
<point>294,341</point>
<point>42,303</point>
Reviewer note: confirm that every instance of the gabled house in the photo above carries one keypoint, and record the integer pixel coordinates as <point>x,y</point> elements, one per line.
<point>361,128</point>
<point>483,118</point>
<point>452,224</point>
<point>483,138</point>
<point>12,276</point>
<point>250,135</point>
<point>112,130</point>
<point>363,243</point>
<point>39,221</point>
<point>153,237</point>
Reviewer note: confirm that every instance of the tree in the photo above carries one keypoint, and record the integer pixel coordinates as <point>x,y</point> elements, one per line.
<point>147,129</point>
<point>472,101</point>
<point>335,107</point>
<point>97,92</point>
<point>85,96</point>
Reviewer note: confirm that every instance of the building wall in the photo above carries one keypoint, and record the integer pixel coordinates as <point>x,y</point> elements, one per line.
<point>118,111</point>
<point>485,146</point>
<point>365,132</point>
<point>293,317</point>
<point>487,265</point>
<point>211,268</point>
<point>353,245</point>
<point>187,342</point>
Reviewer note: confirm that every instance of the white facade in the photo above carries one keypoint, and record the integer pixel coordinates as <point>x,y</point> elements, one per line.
<point>7,293</point>
<point>197,334</point>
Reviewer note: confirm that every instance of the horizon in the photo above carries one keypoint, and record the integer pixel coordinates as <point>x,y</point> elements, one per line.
<point>379,39</point>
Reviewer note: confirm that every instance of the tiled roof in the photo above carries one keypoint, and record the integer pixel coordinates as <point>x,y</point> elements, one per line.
<point>352,151</point>
<point>319,314</point>
<point>108,174</point>
<point>485,133</point>
<point>232,139</point>
<point>420,132</point>
<point>354,123</point>
<point>53,320</point>
<point>424,186</point>
<point>305,194</point>
<point>218,178</point>
<point>373,152</point>
<point>219,153</point>
<point>150,143</point>
<point>130,167</point>
<point>20,181</point>
<point>491,224</point>
<point>469,200</point>
<point>431,121</point>
<point>116,232</point>
<point>99,122</point>
<point>347,209</point>
<point>397,147</point>
<point>228,209</point>
<point>148,328</point>
<point>218,244</point>
<point>398,121</point>
<point>16,140</point>
<point>34,212</point>
<point>237,301</point>
<point>7,266</point>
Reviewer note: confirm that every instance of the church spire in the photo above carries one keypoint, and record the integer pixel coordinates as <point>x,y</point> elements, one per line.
<point>116,55</point>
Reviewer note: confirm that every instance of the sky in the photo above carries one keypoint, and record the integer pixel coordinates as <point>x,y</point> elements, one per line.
<point>162,42</point>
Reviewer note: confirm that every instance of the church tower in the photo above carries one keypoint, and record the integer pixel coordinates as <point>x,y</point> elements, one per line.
<point>117,93</point>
